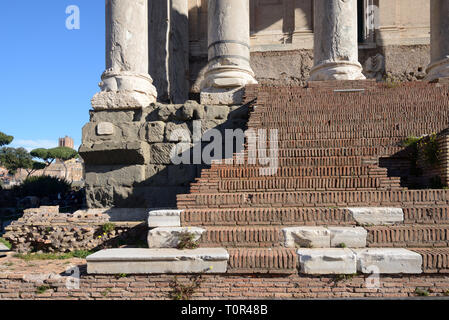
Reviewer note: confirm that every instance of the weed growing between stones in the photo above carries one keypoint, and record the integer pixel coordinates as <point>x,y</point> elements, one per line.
<point>106,292</point>
<point>422,292</point>
<point>187,241</point>
<point>82,254</point>
<point>108,227</point>
<point>342,277</point>
<point>42,289</point>
<point>185,292</point>
<point>6,243</point>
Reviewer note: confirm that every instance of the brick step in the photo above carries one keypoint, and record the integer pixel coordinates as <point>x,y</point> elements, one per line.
<point>275,261</point>
<point>364,151</point>
<point>426,215</point>
<point>242,236</point>
<point>295,184</point>
<point>351,116</point>
<point>434,260</point>
<point>334,129</point>
<point>317,104</point>
<point>362,198</point>
<point>319,112</point>
<point>356,133</point>
<point>322,125</point>
<point>308,162</point>
<point>408,236</point>
<point>266,216</point>
<point>321,106</point>
<point>301,216</point>
<point>336,143</point>
<point>417,236</point>
<point>230,172</point>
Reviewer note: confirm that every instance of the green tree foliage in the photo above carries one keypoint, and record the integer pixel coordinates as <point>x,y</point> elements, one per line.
<point>5,139</point>
<point>50,155</point>
<point>15,158</point>
<point>42,154</point>
<point>35,167</point>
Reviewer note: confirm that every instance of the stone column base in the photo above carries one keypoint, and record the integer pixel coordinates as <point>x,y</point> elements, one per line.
<point>124,90</point>
<point>437,70</point>
<point>226,77</point>
<point>341,70</point>
<point>222,96</point>
<point>121,100</point>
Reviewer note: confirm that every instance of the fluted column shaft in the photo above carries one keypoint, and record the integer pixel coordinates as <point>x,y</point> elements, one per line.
<point>126,82</point>
<point>439,40</point>
<point>335,42</point>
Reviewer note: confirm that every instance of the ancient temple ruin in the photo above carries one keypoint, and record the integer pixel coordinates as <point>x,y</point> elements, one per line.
<point>358,182</point>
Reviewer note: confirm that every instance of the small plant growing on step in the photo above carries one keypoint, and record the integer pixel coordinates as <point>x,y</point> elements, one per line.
<point>42,289</point>
<point>106,292</point>
<point>421,292</point>
<point>108,227</point>
<point>187,241</point>
<point>182,291</point>
<point>342,245</point>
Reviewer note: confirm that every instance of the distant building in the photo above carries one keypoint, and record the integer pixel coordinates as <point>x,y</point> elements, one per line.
<point>66,142</point>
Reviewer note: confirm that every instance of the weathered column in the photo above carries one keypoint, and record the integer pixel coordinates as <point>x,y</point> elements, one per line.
<point>126,82</point>
<point>335,41</point>
<point>229,52</point>
<point>439,40</point>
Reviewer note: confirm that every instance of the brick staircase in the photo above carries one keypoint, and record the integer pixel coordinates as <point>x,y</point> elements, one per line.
<point>331,136</point>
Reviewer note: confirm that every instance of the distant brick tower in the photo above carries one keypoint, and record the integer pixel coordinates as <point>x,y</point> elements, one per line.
<point>66,142</point>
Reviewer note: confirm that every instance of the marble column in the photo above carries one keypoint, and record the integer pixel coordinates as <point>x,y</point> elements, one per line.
<point>229,67</point>
<point>126,82</point>
<point>335,41</point>
<point>439,40</point>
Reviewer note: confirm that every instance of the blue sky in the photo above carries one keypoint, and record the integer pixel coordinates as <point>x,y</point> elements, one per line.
<point>48,73</point>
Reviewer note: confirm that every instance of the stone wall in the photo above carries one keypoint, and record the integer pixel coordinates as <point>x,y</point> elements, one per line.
<point>46,229</point>
<point>211,287</point>
<point>292,67</point>
<point>127,153</point>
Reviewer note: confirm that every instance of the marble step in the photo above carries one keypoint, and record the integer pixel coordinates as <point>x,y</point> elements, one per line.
<point>158,261</point>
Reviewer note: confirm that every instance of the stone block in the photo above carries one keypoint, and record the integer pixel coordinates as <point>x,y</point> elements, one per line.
<point>169,237</point>
<point>115,175</point>
<point>351,237</point>
<point>113,116</point>
<point>156,175</point>
<point>182,174</point>
<point>306,237</point>
<point>161,153</point>
<point>158,261</point>
<point>164,218</point>
<point>218,96</point>
<point>155,131</point>
<point>217,112</point>
<point>105,129</point>
<point>388,260</point>
<point>177,132</point>
<point>121,100</point>
<point>377,215</point>
<point>115,153</point>
<point>327,261</point>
